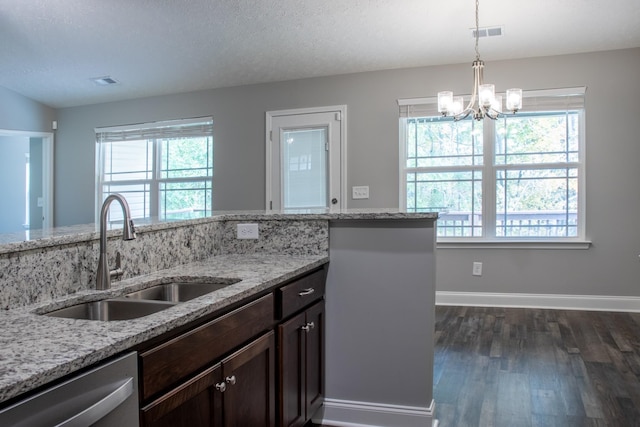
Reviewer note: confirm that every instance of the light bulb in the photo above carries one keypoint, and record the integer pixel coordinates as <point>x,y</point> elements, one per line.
<point>496,105</point>
<point>514,99</point>
<point>487,94</point>
<point>445,101</point>
<point>458,105</point>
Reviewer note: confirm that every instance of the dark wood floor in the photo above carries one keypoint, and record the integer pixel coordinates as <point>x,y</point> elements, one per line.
<point>532,367</point>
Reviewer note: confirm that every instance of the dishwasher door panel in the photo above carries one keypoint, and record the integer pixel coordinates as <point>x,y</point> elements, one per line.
<point>105,396</point>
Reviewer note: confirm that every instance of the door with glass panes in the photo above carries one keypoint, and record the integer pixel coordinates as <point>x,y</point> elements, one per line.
<point>304,159</point>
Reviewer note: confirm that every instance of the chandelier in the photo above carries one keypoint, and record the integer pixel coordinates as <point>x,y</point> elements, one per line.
<point>484,102</point>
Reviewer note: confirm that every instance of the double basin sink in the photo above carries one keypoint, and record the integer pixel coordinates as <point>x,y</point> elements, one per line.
<point>143,302</point>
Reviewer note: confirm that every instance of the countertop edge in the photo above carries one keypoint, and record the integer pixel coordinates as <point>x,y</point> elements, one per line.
<point>17,242</point>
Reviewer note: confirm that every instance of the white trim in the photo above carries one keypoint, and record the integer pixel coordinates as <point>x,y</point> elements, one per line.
<point>346,413</point>
<point>551,301</point>
<point>445,243</point>
<point>270,115</point>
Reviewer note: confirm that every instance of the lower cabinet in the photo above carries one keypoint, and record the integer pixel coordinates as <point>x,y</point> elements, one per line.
<point>249,398</point>
<point>301,366</point>
<point>197,402</point>
<point>223,372</point>
<point>239,391</point>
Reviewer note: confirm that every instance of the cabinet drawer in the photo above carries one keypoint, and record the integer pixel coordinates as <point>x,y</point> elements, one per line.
<point>184,355</point>
<point>300,293</point>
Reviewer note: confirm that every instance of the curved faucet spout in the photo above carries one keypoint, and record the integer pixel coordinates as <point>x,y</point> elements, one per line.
<point>103,279</point>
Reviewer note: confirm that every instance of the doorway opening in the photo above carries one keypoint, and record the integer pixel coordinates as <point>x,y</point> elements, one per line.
<point>26,180</point>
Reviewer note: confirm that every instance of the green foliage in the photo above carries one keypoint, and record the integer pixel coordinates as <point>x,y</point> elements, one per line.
<point>190,158</point>
<point>534,161</point>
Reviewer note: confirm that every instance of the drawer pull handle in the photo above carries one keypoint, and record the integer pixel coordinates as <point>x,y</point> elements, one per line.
<point>221,387</point>
<point>308,327</point>
<point>306,292</point>
<point>231,380</point>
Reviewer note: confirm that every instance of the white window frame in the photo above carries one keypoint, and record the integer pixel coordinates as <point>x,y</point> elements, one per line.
<point>489,239</point>
<point>155,129</point>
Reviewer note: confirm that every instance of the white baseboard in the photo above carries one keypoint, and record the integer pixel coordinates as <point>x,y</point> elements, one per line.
<point>346,413</point>
<point>564,302</point>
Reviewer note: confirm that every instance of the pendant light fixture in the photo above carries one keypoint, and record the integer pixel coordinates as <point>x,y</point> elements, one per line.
<point>484,102</point>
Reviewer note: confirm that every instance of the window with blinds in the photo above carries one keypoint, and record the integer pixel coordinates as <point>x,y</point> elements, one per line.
<point>163,169</point>
<point>519,177</point>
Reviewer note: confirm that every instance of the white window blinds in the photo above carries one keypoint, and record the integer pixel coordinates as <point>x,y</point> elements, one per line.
<point>202,126</point>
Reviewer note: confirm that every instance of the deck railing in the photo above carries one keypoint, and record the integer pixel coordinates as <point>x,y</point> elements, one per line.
<point>515,224</point>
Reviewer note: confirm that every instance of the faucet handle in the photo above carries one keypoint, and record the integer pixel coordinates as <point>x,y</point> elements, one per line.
<point>117,272</point>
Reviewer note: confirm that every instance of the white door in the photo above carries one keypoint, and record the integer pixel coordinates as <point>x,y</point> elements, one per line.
<point>305,158</point>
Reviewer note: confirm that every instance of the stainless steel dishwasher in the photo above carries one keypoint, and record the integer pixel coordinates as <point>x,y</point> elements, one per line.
<point>105,396</point>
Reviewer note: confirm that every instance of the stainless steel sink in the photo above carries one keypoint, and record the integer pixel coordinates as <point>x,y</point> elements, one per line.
<point>179,291</point>
<point>111,309</point>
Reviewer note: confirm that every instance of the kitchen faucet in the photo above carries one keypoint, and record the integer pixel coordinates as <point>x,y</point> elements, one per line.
<point>103,279</point>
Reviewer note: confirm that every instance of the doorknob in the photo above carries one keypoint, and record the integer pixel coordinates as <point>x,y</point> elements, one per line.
<point>334,201</point>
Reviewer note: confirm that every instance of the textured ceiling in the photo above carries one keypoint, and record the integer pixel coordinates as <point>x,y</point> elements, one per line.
<point>50,49</point>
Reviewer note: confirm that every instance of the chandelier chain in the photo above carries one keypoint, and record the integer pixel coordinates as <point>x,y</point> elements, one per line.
<point>477,29</point>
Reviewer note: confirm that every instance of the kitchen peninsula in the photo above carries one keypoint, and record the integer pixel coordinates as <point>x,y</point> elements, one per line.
<point>379,300</point>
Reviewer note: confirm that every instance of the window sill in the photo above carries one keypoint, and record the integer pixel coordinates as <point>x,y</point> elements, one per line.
<point>512,244</point>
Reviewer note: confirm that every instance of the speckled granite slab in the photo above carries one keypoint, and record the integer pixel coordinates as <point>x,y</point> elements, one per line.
<point>32,276</point>
<point>37,239</point>
<point>287,236</point>
<point>36,349</point>
<point>59,269</point>
<point>63,263</point>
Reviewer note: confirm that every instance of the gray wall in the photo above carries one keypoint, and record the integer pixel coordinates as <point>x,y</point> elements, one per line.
<point>18,112</point>
<point>380,299</point>
<point>611,266</point>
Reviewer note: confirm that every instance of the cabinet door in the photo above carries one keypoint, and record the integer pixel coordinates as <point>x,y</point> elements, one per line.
<point>291,368</point>
<point>249,399</point>
<point>314,358</point>
<point>195,403</point>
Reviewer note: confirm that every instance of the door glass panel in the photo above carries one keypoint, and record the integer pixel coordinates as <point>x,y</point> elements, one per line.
<point>304,168</point>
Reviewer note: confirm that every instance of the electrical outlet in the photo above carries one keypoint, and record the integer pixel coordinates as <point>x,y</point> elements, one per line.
<point>247,231</point>
<point>361,192</point>
<point>477,269</point>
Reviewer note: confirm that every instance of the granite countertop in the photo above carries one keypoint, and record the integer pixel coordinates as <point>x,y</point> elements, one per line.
<point>37,349</point>
<point>36,239</point>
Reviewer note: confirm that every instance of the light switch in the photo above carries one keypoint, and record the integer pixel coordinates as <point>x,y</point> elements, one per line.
<point>361,192</point>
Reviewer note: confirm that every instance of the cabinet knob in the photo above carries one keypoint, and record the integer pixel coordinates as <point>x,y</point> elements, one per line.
<point>308,327</point>
<point>306,292</point>
<point>231,380</point>
<point>221,387</point>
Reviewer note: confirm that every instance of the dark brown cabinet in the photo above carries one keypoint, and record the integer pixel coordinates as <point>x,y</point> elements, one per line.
<point>197,402</point>
<point>228,371</point>
<point>239,391</point>
<point>249,398</point>
<point>215,374</point>
<point>301,349</point>
<point>301,366</point>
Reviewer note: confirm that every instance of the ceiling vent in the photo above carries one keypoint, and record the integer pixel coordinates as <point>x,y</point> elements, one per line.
<point>488,32</point>
<point>104,81</point>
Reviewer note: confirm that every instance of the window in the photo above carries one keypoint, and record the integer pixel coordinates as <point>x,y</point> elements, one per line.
<point>163,169</point>
<point>516,178</point>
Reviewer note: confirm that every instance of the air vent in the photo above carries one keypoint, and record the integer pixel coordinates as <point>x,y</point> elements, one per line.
<point>488,32</point>
<point>104,81</point>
